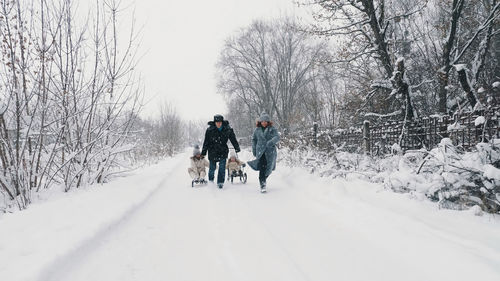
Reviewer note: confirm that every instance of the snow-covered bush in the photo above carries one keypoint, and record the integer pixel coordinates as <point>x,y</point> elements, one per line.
<point>448,175</point>
<point>458,179</point>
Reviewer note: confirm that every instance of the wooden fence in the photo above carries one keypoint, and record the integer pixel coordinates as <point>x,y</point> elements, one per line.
<point>465,130</point>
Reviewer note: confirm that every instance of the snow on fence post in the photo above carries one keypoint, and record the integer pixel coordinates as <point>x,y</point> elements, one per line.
<point>366,136</point>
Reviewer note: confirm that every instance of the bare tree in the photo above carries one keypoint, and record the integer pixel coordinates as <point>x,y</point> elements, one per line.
<point>61,121</point>
<point>367,31</point>
<point>432,36</point>
<point>267,66</point>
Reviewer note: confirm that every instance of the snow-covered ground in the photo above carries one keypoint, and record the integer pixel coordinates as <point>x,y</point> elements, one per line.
<point>154,226</point>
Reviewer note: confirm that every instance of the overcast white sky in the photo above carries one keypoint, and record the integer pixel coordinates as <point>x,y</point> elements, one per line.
<point>182,41</point>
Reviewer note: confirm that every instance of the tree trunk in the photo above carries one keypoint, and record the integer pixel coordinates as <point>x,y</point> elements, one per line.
<point>443,72</point>
<point>464,81</point>
<point>400,85</point>
<point>379,35</point>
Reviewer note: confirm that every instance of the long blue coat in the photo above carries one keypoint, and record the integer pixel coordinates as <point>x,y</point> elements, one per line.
<point>264,141</point>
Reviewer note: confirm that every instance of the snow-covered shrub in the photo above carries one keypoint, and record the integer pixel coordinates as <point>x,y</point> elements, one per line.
<point>461,179</point>
<point>448,175</point>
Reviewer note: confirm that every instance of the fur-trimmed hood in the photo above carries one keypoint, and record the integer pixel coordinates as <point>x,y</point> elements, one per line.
<point>225,123</point>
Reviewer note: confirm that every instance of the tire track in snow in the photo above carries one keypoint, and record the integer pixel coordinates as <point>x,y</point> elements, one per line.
<point>227,258</point>
<point>276,240</point>
<point>66,262</point>
<point>228,218</point>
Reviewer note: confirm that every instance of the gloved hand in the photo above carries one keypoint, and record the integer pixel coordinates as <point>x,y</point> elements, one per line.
<point>237,150</point>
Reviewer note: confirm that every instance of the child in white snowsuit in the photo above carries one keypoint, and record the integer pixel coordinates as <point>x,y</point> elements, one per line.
<point>198,165</point>
<point>233,164</point>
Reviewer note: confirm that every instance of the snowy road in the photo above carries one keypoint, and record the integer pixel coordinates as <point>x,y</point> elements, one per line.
<point>304,228</point>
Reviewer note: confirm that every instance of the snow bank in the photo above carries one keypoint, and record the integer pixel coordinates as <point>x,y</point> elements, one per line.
<point>33,240</point>
<point>447,175</point>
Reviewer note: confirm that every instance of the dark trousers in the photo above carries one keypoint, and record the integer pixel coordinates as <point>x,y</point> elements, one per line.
<point>221,175</point>
<point>262,169</point>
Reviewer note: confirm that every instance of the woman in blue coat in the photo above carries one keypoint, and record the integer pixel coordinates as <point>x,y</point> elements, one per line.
<point>264,141</point>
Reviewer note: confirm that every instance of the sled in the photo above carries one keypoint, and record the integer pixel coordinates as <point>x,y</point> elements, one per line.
<point>198,182</point>
<point>238,174</point>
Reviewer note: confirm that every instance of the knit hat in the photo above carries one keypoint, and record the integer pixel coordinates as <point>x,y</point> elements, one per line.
<point>264,117</point>
<point>218,118</point>
<point>232,154</point>
<point>196,150</point>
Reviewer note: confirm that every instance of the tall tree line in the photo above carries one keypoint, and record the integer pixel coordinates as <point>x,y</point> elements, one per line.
<point>385,59</point>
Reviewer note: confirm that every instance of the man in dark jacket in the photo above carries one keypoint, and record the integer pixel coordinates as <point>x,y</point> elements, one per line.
<point>216,137</point>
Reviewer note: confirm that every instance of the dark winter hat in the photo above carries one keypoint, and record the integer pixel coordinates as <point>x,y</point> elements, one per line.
<point>218,118</point>
<point>264,117</point>
<point>196,150</point>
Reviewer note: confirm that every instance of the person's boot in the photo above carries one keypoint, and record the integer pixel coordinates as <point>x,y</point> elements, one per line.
<point>220,185</point>
<point>263,187</point>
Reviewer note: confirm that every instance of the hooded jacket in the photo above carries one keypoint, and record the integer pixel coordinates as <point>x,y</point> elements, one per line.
<point>198,164</point>
<point>215,142</point>
<point>234,165</point>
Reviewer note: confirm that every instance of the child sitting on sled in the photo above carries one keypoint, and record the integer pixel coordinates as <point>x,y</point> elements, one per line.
<point>198,165</point>
<point>234,165</point>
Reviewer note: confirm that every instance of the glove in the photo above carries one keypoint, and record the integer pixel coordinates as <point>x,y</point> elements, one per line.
<point>237,150</point>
